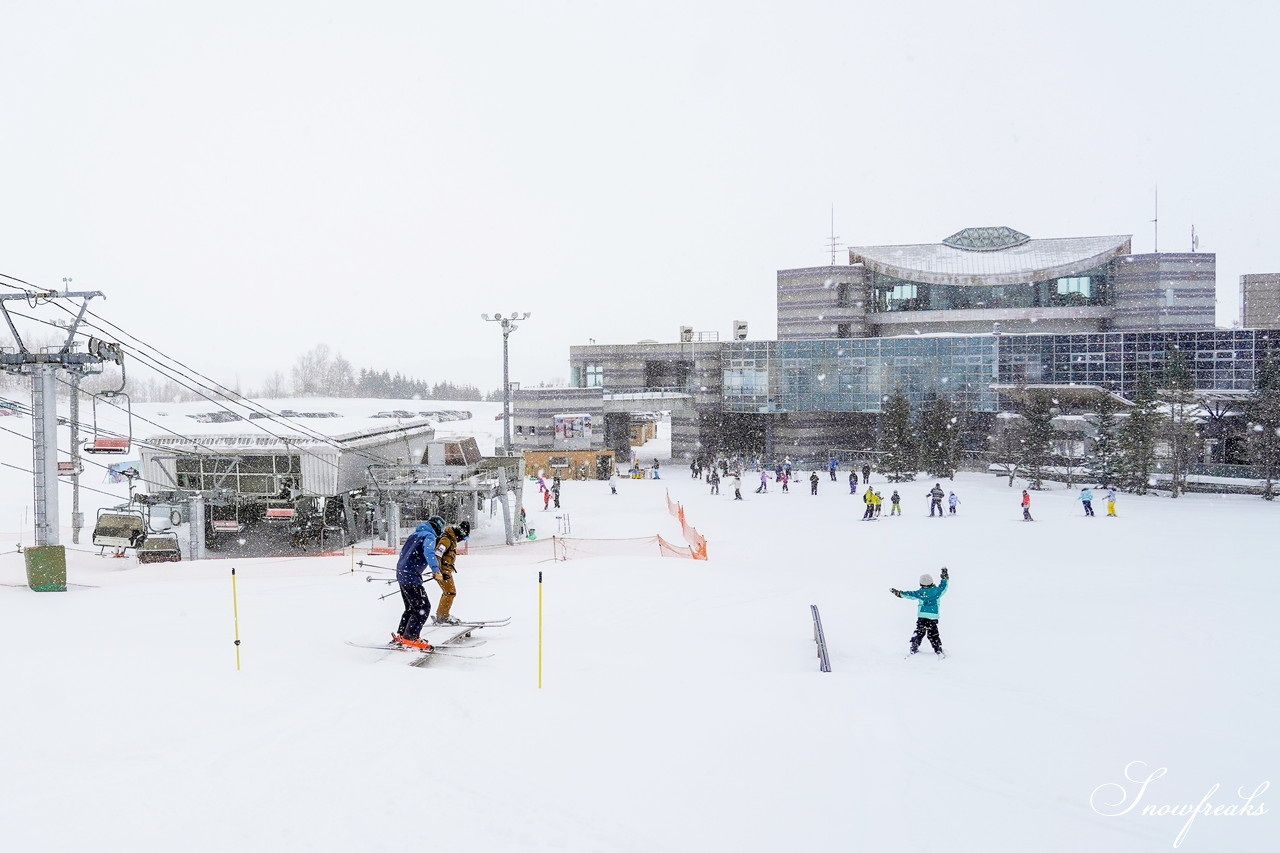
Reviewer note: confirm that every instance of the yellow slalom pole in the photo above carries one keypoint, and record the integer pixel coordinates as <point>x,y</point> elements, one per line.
<point>235,610</point>
<point>539,630</point>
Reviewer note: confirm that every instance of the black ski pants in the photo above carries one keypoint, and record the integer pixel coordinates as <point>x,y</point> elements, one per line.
<point>416,608</point>
<point>923,627</point>
<point>935,504</point>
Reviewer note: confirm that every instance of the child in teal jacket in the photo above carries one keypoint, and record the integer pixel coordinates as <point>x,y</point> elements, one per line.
<point>927,612</point>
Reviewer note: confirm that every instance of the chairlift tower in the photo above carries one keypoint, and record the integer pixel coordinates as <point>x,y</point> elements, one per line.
<point>508,326</point>
<point>43,369</point>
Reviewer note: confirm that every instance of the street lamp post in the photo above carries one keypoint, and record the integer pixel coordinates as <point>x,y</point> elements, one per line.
<point>508,326</point>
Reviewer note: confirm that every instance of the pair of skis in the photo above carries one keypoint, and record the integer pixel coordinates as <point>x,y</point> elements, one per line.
<point>447,650</point>
<point>448,647</point>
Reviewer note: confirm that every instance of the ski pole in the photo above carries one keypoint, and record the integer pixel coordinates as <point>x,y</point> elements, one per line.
<point>372,579</point>
<point>539,630</point>
<point>362,564</point>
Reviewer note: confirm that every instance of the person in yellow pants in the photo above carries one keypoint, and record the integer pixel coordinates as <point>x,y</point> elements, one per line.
<point>446,553</point>
<point>1111,501</point>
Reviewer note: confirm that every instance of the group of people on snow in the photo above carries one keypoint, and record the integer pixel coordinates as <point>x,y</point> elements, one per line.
<point>552,492</point>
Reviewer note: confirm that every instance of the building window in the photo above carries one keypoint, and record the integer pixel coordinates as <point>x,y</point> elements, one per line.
<point>1074,290</point>
<point>595,375</point>
<point>1078,285</point>
<point>267,476</point>
<point>843,298</point>
<point>905,297</point>
<point>519,430</point>
<point>844,330</point>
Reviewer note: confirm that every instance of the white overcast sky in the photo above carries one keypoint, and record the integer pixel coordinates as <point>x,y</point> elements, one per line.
<point>247,180</point>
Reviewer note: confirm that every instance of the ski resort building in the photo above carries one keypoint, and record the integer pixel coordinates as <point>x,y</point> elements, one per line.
<point>983,312</point>
<point>277,486</point>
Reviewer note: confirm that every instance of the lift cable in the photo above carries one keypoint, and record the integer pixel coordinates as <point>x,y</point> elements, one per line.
<point>181,380</point>
<point>226,393</point>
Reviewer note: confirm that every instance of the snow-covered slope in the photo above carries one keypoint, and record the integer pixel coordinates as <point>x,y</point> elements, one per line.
<point>681,706</point>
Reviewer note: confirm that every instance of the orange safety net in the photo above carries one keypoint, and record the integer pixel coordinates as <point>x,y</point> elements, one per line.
<point>673,507</point>
<point>568,549</point>
<point>669,550</point>
<point>697,542</point>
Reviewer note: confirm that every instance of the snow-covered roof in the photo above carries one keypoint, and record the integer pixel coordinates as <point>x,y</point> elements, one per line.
<point>991,262</point>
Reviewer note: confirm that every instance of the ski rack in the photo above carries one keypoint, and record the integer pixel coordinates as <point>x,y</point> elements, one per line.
<point>821,639</point>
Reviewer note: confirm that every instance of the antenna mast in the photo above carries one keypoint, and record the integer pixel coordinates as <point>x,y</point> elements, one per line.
<point>834,238</point>
<point>1156,222</point>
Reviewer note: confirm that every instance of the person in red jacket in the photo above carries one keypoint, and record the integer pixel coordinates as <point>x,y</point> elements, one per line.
<point>1026,506</point>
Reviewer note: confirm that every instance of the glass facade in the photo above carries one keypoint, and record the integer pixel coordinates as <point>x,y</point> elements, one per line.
<point>1083,288</point>
<point>857,375</point>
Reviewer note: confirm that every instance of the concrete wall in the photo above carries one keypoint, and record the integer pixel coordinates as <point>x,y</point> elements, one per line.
<point>624,366</point>
<point>536,408</point>
<point>685,440</point>
<point>808,302</point>
<point>1260,301</point>
<point>1170,290</point>
<point>978,321</point>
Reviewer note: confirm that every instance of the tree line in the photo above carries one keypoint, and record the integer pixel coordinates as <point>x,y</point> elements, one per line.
<point>321,372</point>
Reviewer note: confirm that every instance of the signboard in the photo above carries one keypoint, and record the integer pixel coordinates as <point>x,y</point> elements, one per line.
<point>573,431</point>
<point>120,471</point>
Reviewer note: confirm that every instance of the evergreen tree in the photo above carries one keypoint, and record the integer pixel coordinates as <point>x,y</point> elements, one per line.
<point>1104,457</point>
<point>1035,437</point>
<point>939,452</point>
<point>1137,439</point>
<point>898,445</point>
<point>1179,429</point>
<point>1262,415</point>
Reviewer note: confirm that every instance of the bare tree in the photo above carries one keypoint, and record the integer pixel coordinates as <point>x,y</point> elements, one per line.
<point>274,387</point>
<point>311,372</point>
<point>1006,447</point>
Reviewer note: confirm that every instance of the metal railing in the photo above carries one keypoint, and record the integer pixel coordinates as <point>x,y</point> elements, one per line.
<point>824,661</point>
<point>655,391</point>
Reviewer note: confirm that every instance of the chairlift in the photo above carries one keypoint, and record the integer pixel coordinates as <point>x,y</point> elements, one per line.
<point>119,529</point>
<point>279,515</point>
<point>231,525</point>
<point>118,444</point>
<point>160,548</point>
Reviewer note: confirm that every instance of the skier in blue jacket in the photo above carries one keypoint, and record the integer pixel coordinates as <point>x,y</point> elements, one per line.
<point>927,613</point>
<point>418,553</point>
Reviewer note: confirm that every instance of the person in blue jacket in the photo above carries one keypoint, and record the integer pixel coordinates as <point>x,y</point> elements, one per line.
<point>1086,498</point>
<point>927,613</point>
<point>418,553</point>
